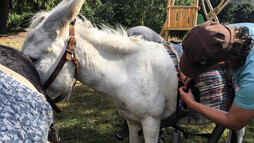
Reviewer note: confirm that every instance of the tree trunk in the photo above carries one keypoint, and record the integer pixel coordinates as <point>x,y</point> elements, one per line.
<point>4,15</point>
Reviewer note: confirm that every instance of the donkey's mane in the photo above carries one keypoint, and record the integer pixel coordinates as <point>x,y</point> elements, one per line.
<point>114,40</point>
<point>37,19</point>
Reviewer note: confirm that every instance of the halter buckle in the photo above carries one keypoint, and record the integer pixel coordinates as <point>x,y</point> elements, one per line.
<point>69,38</point>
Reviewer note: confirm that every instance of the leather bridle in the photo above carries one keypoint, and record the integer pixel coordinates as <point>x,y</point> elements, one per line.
<point>69,55</point>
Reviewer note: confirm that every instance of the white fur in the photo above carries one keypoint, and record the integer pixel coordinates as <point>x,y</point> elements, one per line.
<point>137,76</point>
<point>239,135</point>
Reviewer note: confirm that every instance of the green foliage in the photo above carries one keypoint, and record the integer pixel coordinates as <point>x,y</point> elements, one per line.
<point>184,2</point>
<point>96,11</point>
<point>21,12</point>
<point>20,6</point>
<point>227,14</point>
<point>235,12</point>
<point>244,12</point>
<point>19,21</point>
<point>128,13</point>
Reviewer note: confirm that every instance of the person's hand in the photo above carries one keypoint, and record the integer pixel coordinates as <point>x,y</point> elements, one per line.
<point>187,97</point>
<point>186,80</point>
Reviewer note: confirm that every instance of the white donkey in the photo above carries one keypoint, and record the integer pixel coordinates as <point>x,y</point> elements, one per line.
<point>133,73</point>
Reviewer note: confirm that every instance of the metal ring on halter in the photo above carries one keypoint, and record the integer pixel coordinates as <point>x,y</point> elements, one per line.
<point>71,37</point>
<point>69,51</point>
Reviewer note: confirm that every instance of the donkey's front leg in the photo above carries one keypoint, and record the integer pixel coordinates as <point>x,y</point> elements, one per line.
<point>151,128</point>
<point>134,128</point>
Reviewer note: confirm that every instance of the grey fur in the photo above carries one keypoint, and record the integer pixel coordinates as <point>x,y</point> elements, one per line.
<point>21,64</point>
<point>147,34</point>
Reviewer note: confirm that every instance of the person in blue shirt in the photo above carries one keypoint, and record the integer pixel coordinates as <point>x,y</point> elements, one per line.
<point>209,46</point>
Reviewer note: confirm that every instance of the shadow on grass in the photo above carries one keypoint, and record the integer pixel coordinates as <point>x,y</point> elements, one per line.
<point>89,118</point>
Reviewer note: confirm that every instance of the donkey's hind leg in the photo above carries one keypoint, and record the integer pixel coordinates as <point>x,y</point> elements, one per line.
<point>240,134</point>
<point>235,136</point>
<point>134,129</point>
<point>151,128</point>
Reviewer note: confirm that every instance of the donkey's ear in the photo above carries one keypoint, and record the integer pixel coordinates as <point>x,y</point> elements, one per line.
<point>61,4</point>
<point>62,15</point>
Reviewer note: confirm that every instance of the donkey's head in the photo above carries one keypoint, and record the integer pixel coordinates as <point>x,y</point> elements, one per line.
<point>47,39</point>
<point>48,27</point>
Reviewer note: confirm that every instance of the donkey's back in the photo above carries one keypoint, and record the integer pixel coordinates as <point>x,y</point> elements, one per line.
<point>20,63</point>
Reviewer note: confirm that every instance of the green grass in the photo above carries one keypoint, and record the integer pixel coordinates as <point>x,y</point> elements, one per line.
<point>88,117</point>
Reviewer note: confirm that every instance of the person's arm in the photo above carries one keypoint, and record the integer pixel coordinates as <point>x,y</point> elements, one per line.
<point>235,119</point>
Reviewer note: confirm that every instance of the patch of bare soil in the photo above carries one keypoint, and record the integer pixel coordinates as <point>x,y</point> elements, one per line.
<point>13,40</point>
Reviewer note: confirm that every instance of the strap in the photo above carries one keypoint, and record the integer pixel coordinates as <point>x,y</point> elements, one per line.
<point>68,55</point>
<point>71,43</point>
<point>53,105</point>
<point>71,55</point>
<point>55,73</point>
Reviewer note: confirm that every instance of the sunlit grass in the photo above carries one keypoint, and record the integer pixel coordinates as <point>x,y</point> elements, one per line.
<point>88,117</point>
<point>14,40</point>
<point>11,43</point>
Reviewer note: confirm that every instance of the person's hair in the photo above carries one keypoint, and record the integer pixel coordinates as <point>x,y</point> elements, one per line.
<point>241,47</point>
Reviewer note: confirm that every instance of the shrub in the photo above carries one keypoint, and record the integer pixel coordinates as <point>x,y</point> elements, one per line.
<point>244,12</point>
<point>18,22</point>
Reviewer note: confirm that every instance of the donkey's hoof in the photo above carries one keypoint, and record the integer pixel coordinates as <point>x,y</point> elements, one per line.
<point>123,133</point>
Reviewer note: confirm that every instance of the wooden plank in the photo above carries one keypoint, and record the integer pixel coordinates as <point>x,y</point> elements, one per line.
<point>166,35</point>
<point>178,28</point>
<point>164,27</point>
<point>185,17</point>
<point>172,2</point>
<point>173,13</point>
<point>190,22</point>
<point>184,7</point>
<point>195,3</point>
<point>195,17</point>
<point>168,18</point>
<point>180,17</point>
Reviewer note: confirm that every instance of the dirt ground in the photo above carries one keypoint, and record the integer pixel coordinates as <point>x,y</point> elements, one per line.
<point>13,40</point>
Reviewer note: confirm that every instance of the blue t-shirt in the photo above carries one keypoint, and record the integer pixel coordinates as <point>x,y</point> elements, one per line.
<point>244,77</point>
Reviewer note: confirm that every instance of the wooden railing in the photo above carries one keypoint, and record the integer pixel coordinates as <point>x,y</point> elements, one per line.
<point>179,17</point>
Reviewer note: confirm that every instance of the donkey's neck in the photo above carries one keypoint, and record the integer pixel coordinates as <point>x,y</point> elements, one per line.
<point>102,56</point>
<point>115,41</point>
